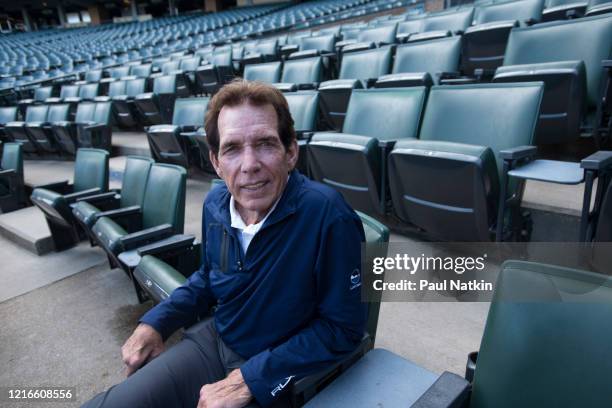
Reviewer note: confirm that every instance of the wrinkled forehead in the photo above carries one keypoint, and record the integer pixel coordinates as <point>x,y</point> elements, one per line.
<point>247,120</point>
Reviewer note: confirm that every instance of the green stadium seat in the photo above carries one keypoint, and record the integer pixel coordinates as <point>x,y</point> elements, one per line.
<point>353,161</point>
<point>460,151</point>
<point>90,178</point>
<point>12,192</point>
<point>269,72</point>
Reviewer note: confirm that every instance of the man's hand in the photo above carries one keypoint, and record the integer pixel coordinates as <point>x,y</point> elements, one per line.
<point>143,345</point>
<point>232,392</point>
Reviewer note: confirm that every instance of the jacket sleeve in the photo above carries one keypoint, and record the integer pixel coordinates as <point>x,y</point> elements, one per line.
<point>187,302</point>
<point>337,327</point>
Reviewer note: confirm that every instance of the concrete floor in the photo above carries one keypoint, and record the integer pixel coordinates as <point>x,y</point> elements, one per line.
<point>64,316</point>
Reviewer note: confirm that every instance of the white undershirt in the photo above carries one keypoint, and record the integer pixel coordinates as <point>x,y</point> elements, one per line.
<point>246,233</point>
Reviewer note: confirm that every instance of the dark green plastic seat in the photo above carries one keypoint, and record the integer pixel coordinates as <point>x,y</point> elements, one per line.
<point>547,334</point>
<point>12,192</point>
<point>7,114</point>
<point>485,42</point>
<point>321,43</point>
<point>456,21</point>
<point>563,9</point>
<point>90,177</point>
<point>155,107</point>
<point>162,213</point>
<point>352,161</point>
<point>166,143</point>
<point>379,35</point>
<point>357,70</point>
<point>125,113</point>
<point>135,177</point>
<point>269,72</point>
<point>563,41</point>
<point>212,76</point>
<point>304,106</point>
<point>16,131</point>
<point>41,134</point>
<point>301,73</point>
<point>446,183</point>
<point>421,63</point>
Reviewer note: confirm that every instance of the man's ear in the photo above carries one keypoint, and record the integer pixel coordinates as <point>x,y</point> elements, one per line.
<point>293,152</point>
<point>215,162</point>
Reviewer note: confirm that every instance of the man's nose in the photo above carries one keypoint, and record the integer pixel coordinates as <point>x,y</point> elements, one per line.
<point>250,161</point>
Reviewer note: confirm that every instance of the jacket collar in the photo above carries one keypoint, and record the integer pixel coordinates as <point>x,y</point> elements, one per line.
<point>286,206</point>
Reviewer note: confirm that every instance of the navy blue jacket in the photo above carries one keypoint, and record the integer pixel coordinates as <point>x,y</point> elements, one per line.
<point>292,304</point>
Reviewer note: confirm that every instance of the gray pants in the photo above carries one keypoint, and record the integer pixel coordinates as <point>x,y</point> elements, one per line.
<point>175,377</point>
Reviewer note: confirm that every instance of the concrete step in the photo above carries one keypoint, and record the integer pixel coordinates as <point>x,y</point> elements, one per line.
<point>27,228</point>
<point>130,143</point>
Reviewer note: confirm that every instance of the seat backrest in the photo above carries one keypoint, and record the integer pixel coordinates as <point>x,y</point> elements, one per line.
<point>190,111</point>
<point>135,180</point>
<point>303,106</point>
<point>85,112</point>
<point>135,87</point>
<point>457,20</point>
<point>320,42</point>
<point>413,25</point>
<point>91,169</point>
<point>376,234</point>
<point>521,10</point>
<point>58,113</point>
<point>141,71</point>
<point>189,64</point>
<point>565,41</point>
<point>267,72</point>
<point>69,91</point>
<point>383,34</point>
<point>431,56</point>
<point>386,113</point>
<point>117,88</point>
<point>301,71</point>
<point>88,91</point>
<point>297,37</point>
<point>164,200</point>
<point>12,158</point>
<point>222,59</point>
<point>42,93</point>
<point>549,328</point>
<point>94,75</point>
<point>102,113</point>
<point>366,64</point>
<point>170,66</point>
<point>36,113</point>
<point>8,114</point>
<point>119,72</point>
<point>164,84</point>
<point>499,116</point>
<point>267,47</point>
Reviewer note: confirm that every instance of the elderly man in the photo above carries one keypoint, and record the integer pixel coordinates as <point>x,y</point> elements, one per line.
<point>279,252</point>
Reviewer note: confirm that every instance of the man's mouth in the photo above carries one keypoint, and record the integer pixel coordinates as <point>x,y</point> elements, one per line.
<point>254,186</point>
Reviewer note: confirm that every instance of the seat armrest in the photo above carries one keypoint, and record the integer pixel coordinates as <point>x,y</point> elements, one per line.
<point>93,128</point>
<point>600,160</point>
<point>120,212</point>
<point>72,197</point>
<point>173,243</point>
<point>146,236</point>
<point>101,198</point>
<point>470,366</point>
<point>449,390</point>
<point>7,173</point>
<point>518,153</point>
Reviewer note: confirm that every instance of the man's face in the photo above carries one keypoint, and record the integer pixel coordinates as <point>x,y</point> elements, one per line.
<point>252,159</point>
